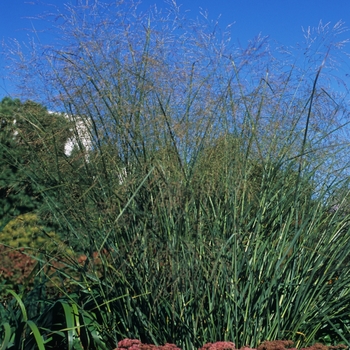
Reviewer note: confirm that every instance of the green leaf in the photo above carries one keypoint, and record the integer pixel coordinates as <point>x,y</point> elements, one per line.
<point>20,303</point>
<point>70,323</point>
<point>37,335</point>
<point>7,337</point>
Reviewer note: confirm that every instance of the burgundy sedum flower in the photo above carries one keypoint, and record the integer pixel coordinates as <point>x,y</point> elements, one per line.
<point>220,345</point>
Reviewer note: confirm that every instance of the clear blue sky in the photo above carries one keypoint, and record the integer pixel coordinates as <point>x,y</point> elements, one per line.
<point>281,20</point>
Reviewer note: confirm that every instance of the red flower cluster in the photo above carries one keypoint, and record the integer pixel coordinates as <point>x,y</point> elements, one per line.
<point>134,344</point>
<point>220,345</point>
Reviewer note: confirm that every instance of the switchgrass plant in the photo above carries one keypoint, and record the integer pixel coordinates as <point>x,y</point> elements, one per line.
<point>215,188</point>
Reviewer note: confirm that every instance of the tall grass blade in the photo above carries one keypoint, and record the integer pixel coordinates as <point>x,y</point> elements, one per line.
<point>7,337</point>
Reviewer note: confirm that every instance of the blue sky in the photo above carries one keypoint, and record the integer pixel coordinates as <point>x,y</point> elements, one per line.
<point>281,20</point>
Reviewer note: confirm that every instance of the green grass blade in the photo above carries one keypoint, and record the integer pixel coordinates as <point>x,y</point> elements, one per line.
<point>37,335</point>
<point>20,303</point>
<point>70,323</point>
<point>7,337</point>
<point>76,319</point>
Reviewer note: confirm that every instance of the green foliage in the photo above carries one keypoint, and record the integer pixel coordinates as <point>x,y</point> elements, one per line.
<point>22,239</point>
<point>24,151</point>
<point>67,323</point>
<point>205,195</point>
<point>25,231</point>
<point>16,194</point>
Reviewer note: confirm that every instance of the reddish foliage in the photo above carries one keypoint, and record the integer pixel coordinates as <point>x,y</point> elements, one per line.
<point>128,343</point>
<point>287,344</point>
<point>134,344</point>
<point>220,345</point>
<point>96,258</point>
<point>275,345</point>
<point>15,265</point>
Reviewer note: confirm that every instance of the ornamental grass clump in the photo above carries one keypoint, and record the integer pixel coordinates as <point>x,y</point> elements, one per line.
<point>216,180</point>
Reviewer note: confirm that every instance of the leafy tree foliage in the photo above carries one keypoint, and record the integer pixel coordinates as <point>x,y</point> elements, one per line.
<point>17,194</point>
<point>29,136</point>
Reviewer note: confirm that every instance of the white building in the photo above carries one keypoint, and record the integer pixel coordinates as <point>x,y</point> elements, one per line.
<point>80,135</point>
<point>81,138</point>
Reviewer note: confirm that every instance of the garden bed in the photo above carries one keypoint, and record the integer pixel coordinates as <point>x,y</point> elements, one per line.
<point>134,344</point>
